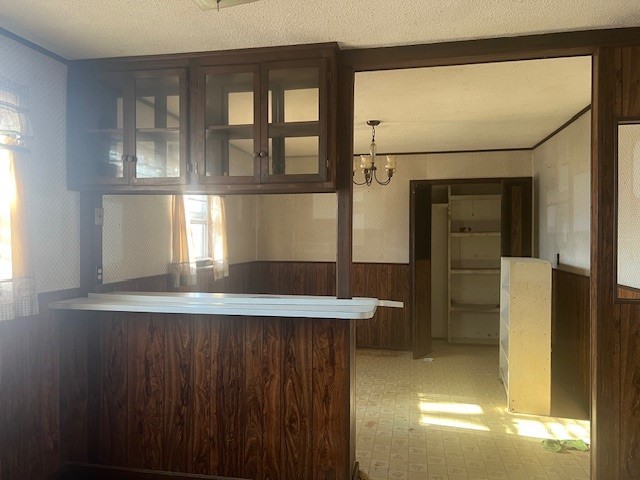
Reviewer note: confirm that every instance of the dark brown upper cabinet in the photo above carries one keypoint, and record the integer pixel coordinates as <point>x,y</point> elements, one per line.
<point>250,121</point>
<point>128,129</point>
<point>262,124</point>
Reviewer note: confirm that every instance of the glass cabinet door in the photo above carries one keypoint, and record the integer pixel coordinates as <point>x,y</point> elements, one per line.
<point>103,159</point>
<point>160,135</point>
<point>228,129</point>
<point>296,110</point>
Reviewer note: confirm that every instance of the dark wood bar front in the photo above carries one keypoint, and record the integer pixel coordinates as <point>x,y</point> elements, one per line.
<point>248,397</point>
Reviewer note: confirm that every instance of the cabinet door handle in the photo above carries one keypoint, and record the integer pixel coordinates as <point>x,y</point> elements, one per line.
<point>263,154</point>
<point>124,158</point>
<point>256,154</point>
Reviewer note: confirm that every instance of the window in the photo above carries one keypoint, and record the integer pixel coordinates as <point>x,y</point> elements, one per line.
<point>7,193</point>
<point>197,207</point>
<point>206,227</point>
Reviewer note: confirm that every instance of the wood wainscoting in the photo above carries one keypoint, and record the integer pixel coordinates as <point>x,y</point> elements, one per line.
<point>29,393</point>
<point>83,471</point>
<point>232,396</point>
<point>629,315</point>
<point>571,335</point>
<point>389,328</point>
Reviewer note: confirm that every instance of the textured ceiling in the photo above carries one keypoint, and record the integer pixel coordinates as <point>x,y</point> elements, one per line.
<point>96,28</point>
<point>471,107</point>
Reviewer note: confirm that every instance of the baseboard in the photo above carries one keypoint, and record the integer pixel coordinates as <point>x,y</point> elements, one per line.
<point>82,471</point>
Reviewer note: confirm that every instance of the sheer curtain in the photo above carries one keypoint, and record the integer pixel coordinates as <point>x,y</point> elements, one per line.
<point>18,296</point>
<point>183,264</point>
<point>217,237</point>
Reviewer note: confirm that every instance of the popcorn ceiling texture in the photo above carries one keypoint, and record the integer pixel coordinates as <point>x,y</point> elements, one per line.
<point>95,28</point>
<point>469,107</point>
<point>53,211</point>
<point>562,193</point>
<point>303,227</point>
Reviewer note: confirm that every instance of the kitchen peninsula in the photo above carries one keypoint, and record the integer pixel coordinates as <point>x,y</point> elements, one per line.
<point>250,386</point>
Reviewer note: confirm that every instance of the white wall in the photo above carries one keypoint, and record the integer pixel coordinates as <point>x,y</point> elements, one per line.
<point>53,211</point>
<point>303,227</point>
<point>562,186</point>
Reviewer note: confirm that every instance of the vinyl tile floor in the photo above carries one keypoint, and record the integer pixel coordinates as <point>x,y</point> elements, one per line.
<point>446,419</point>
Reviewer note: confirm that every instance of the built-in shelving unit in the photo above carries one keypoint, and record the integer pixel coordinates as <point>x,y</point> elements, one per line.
<point>474,263</point>
<point>525,334</point>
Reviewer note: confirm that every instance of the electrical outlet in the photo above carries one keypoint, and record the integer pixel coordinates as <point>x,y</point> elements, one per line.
<point>99,274</point>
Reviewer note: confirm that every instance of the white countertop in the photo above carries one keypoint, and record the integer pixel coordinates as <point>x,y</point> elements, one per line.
<point>302,306</point>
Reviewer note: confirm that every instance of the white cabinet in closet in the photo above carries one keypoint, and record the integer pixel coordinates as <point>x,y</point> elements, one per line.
<point>474,264</point>
<point>525,334</point>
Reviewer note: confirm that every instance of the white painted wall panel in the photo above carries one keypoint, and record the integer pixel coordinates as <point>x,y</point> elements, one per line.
<point>562,186</point>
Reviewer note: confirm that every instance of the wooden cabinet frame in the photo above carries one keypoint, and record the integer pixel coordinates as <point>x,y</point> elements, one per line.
<point>129,180</point>
<point>194,66</point>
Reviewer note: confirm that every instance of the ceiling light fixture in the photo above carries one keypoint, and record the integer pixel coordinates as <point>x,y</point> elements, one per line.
<point>368,162</point>
<point>218,4</point>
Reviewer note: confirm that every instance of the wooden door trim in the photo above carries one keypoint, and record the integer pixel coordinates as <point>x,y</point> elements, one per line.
<point>525,47</point>
<point>605,327</point>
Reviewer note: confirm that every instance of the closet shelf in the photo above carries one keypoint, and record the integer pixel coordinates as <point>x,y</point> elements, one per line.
<point>469,198</point>
<point>475,271</point>
<point>474,340</point>
<point>475,234</point>
<point>475,307</point>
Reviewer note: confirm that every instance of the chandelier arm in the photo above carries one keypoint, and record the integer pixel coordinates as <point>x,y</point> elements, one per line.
<point>382,183</point>
<point>357,183</point>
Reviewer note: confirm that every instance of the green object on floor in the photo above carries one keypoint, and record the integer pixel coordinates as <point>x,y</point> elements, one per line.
<point>557,446</point>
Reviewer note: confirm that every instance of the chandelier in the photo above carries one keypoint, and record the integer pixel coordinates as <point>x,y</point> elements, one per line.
<point>368,162</point>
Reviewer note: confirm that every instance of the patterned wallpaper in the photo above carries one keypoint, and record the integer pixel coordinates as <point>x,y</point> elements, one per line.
<point>53,211</point>
<point>629,205</point>
<point>297,227</point>
<point>562,193</point>
<point>303,227</point>
<point>241,227</point>
<point>136,236</point>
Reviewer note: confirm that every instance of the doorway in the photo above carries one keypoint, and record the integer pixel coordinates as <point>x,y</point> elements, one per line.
<point>481,164</point>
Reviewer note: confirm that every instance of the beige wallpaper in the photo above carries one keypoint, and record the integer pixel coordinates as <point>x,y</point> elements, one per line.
<point>563,196</point>
<point>136,236</point>
<point>303,227</point>
<point>629,205</point>
<point>241,227</point>
<point>297,227</point>
<point>53,211</point>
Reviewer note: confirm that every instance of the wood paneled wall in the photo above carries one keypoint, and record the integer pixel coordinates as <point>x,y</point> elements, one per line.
<point>627,316</point>
<point>246,397</point>
<point>389,328</point>
<point>571,335</point>
<point>76,471</point>
<point>29,393</point>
